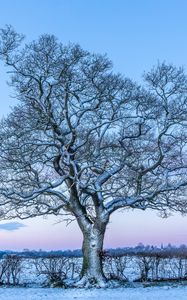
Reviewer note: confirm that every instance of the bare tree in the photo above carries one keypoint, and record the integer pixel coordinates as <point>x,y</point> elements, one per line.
<point>55,268</point>
<point>146,266</point>
<point>85,142</point>
<point>14,265</point>
<point>3,269</point>
<point>115,266</point>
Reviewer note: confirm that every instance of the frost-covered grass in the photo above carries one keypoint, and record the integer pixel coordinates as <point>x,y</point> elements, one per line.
<point>153,293</point>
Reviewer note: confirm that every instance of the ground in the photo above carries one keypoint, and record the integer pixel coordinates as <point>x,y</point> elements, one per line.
<point>153,293</point>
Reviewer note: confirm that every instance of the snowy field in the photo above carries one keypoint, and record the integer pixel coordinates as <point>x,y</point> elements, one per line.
<point>153,293</point>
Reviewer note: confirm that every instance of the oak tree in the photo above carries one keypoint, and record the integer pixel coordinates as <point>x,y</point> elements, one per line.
<point>84,141</point>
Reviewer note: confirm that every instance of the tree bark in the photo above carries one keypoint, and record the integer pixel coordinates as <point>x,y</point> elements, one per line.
<point>92,268</point>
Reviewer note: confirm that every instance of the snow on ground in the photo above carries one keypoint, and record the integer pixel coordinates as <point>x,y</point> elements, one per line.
<point>153,293</point>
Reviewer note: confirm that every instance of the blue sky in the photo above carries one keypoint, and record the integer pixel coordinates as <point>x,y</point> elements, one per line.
<point>135,34</point>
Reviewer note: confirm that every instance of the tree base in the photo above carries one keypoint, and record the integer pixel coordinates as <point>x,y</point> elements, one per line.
<point>87,282</point>
<point>91,282</point>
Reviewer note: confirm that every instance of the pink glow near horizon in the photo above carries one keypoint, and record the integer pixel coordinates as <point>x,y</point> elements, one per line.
<point>125,229</point>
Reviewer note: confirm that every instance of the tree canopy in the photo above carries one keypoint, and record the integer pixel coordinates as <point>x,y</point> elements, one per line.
<point>78,125</point>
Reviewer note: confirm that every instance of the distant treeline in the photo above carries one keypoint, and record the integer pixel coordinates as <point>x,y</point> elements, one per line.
<point>163,251</point>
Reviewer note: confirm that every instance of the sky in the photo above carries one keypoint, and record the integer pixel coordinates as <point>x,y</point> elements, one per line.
<point>135,35</point>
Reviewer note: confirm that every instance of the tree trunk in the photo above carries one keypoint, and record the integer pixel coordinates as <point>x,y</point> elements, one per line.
<point>92,269</point>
